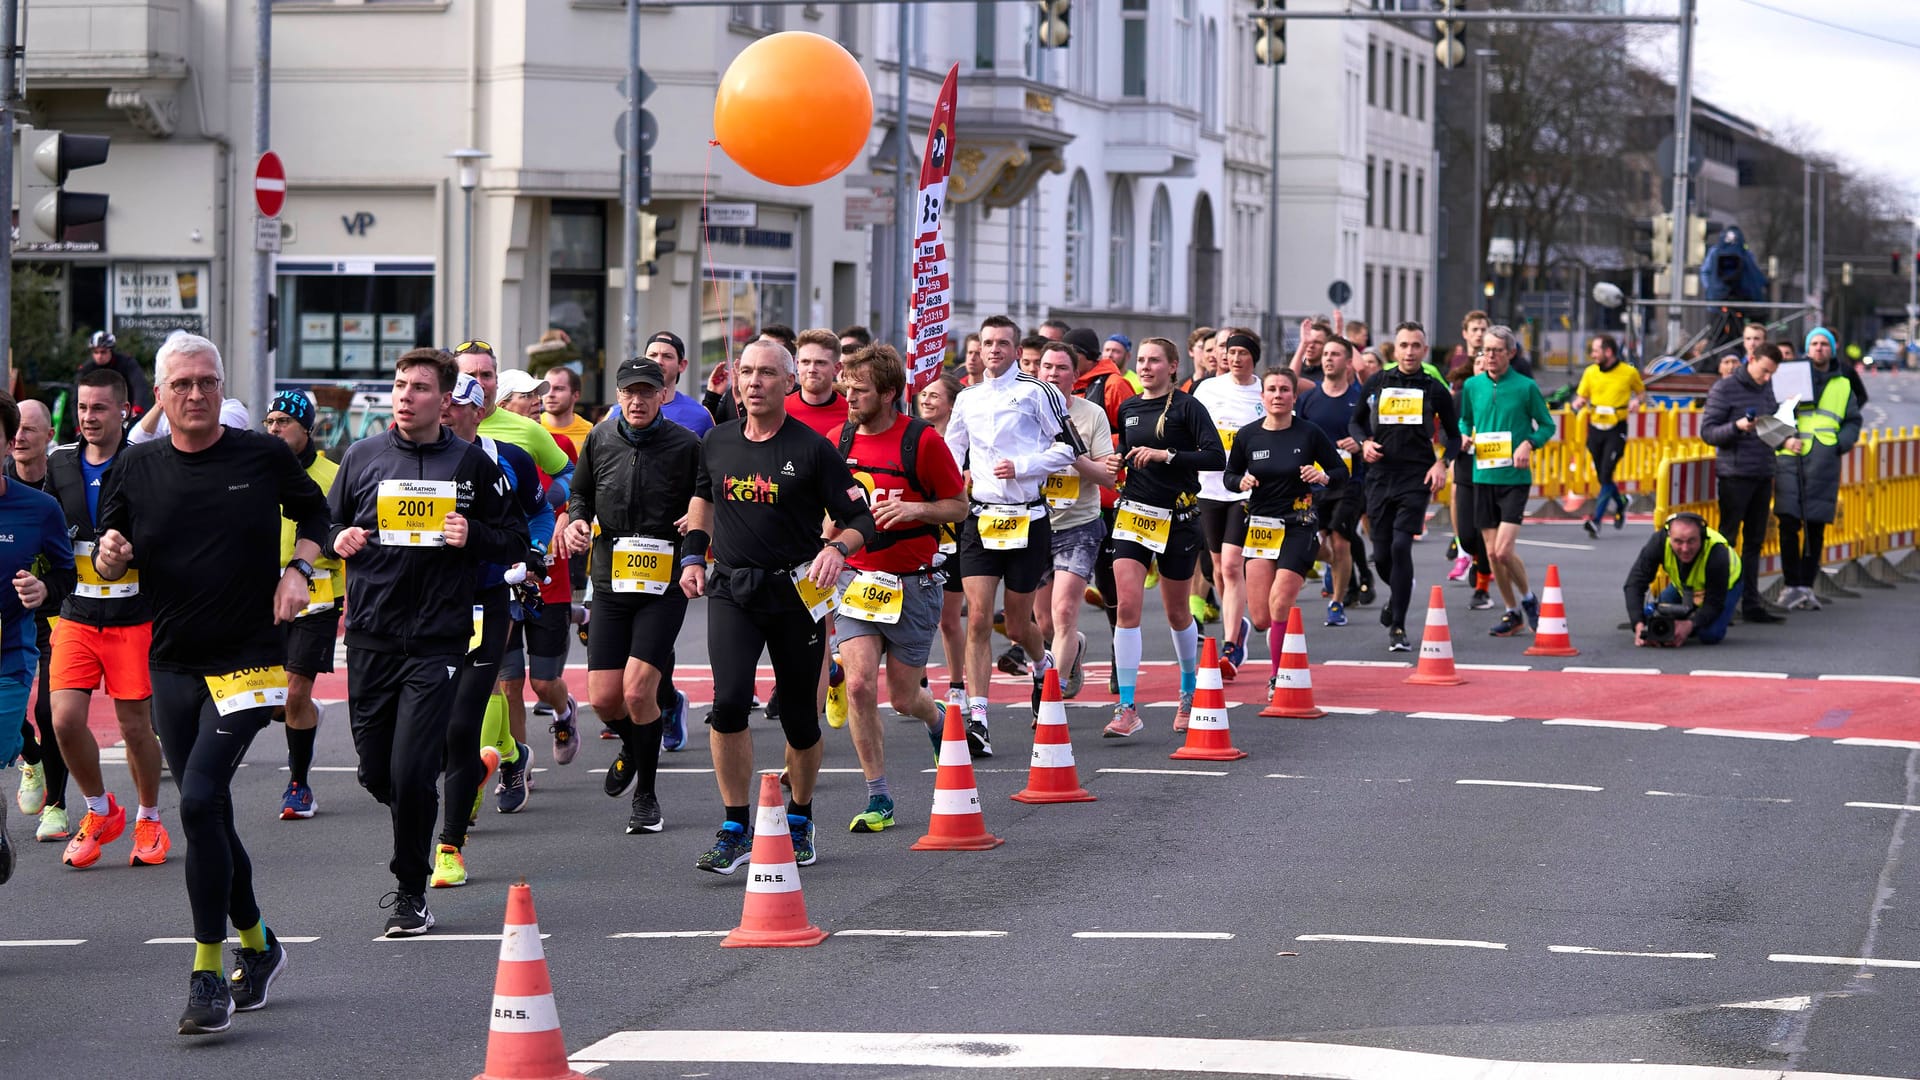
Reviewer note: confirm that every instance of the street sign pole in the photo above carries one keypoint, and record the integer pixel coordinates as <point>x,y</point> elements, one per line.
<point>1682,182</point>
<point>630,197</point>
<point>260,382</point>
<point>9,25</point>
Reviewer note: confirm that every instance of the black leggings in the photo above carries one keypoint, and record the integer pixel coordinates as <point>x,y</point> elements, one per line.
<point>1468,530</point>
<point>203,750</point>
<point>472,688</point>
<point>1745,504</point>
<point>794,643</point>
<point>400,706</point>
<point>1103,572</point>
<point>1800,561</point>
<point>1393,560</point>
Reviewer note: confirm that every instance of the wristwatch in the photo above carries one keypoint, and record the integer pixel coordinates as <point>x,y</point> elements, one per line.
<point>842,549</point>
<point>1169,457</point>
<point>302,565</point>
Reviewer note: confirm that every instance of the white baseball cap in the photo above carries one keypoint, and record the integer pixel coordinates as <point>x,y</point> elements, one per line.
<point>517,381</point>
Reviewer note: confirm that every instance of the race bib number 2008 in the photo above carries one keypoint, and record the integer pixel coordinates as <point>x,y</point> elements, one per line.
<point>248,688</point>
<point>641,565</point>
<point>412,513</point>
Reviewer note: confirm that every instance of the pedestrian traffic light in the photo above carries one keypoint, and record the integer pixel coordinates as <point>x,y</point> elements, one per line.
<point>652,244</point>
<point>1053,32</point>
<point>1846,275</point>
<point>1643,237</point>
<point>1270,33</point>
<point>47,210</point>
<point>1451,45</point>
<point>1662,245</point>
<point>1696,239</point>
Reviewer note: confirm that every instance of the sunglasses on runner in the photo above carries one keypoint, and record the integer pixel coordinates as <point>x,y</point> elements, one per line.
<point>473,346</point>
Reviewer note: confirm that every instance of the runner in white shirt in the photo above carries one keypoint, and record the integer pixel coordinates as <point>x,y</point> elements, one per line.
<point>1232,398</point>
<point>1009,431</point>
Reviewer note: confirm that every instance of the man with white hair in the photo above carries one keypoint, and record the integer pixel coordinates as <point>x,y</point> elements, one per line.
<point>153,422</point>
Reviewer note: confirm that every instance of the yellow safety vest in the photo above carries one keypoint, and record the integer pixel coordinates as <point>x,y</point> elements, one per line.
<point>1822,420</point>
<point>1695,582</point>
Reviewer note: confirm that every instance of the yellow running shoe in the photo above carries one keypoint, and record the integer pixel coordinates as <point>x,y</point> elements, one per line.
<point>449,869</point>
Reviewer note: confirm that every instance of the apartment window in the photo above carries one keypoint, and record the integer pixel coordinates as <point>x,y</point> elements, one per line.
<point>1210,78</point>
<point>1406,84</point>
<point>1133,48</point>
<point>1419,295</point>
<point>1367,304</point>
<point>1386,194</point>
<point>965,217</point>
<point>1160,252</point>
<point>1120,247</point>
<point>1404,313</point>
<point>849,33</point>
<point>985,28</point>
<point>1369,189</point>
<point>1079,240</point>
<point>767,17</point>
<point>1183,53</point>
<point>1373,73</point>
<point>1403,199</point>
<point>1420,91</point>
<point>1386,81</point>
<point>1420,202</point>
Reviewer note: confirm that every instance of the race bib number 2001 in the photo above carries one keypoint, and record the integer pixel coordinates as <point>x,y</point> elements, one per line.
<point>412,513</point>
<point>248,688</point>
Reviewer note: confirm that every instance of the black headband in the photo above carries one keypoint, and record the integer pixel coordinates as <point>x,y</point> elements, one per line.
<point>1247,342</point>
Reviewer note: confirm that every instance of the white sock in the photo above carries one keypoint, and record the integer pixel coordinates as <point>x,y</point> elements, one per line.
<point>97,804</point>
<point>977,709</point>
<point>149,813</point>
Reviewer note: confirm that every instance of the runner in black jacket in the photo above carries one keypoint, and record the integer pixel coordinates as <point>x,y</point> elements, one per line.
<point>415,511</point>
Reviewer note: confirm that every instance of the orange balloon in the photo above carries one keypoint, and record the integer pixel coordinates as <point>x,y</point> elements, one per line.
<point>793,108</point>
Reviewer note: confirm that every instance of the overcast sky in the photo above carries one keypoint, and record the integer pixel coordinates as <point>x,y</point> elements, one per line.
<point>1853,94</point>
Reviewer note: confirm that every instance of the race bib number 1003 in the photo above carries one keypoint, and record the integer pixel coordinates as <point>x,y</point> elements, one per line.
<point>412,513</point>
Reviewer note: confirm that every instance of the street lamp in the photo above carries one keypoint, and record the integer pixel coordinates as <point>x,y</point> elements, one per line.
<point>469,160</point>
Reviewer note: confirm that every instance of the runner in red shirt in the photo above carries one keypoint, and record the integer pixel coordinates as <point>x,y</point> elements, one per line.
<point>815,402</point>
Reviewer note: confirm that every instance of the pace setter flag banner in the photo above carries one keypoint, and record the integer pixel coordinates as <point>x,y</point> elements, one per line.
<point>932,267</point>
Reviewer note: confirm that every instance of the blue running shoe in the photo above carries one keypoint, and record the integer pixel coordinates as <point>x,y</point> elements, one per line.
<point>731,847</point>
<point>802,830</point>
<point>513,782</point>
<point>1530,607</point>
<point>297,803</point>
<point>1336,613</point>
<point>673,732</point>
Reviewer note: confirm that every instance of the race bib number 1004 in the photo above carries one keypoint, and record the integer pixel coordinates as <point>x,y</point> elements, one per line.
<point>412,513</point>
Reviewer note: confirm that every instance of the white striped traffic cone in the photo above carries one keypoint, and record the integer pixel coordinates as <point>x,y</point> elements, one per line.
<point>524,1041</point>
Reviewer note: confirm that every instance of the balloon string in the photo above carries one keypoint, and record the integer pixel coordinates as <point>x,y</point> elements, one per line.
<point>706,244</point>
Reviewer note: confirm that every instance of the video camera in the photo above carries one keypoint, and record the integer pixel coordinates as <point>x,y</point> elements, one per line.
<point>1660,624</point>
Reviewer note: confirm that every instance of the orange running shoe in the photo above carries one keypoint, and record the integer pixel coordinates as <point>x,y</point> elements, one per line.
<point>95,829</point>
<point>150,843</point>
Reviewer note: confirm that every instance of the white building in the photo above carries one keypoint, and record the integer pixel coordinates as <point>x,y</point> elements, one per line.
<point>1119,183</point>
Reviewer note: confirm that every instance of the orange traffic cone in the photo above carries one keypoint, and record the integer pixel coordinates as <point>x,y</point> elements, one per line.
<point>1208,738</point>
<point>1551,639</point>
<point>956,823</point>
<point>524,1041</point>
<point>774,913</point>
<point>1436,648</point>
<point>1053,777</point>
<point>1293,683</point>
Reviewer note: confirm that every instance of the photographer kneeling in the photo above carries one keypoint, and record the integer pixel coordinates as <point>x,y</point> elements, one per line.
<point>1703,585</point>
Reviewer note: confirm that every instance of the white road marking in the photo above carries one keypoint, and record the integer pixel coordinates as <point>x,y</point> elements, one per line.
<point>1883,806</point>
<point>1157,935</point>
<point>1611,671</point>
<point>1785,1004</point>
<point>1582,950</point>
<point>1729,733</point>
<point>1160,705</point>
<point>1529,784</point>
<point>1485,718</point>
<point>449,937</point>
<point>1624,725</point>
<point>1726,798</point>
<point>230,941</point>
<point>1348,710</point>
<point>977,771</point>
<point>1365,663</point>
<point>1362,779</point>
<point>1843,961</point>
<point>1555,545</point>
<point>1494,667</point>
<point>1376,939</point>
<point>1158,772</point>
<point>921,933</point>
<point>1001,1052</point>
<point>651,935</point>
<point>1903,744</point>
<point>37,942</point>
<point>1904,680</point>
<point>1717,673</point>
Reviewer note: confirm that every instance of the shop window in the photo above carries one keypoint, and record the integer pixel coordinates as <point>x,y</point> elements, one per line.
<point>577,275</point>
<point>339,325</point>
<point>735,303</point>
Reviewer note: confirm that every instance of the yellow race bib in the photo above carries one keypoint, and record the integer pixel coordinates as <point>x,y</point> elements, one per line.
<point>412,513</point>
<point>248,688</point>
<point>1003,527</point>
<point>1401,404</point>
<point>1264,537</point>
<point>1604,417</point>
<point>91,584</point>
<point>814,598</point>
<point>320,593</point>
<point>873,597</point>
<point>479,628</point>
<point>1148,526</point>
<point>641,565</point>
<point>1493,450</point>
<point>1061,489</point>
<point>1226,437</point>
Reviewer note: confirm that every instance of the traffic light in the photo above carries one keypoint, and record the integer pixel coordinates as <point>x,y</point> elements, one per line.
<point>1451,45</point>
<point>1643,229</point>
<point>1270,33</point>
<point>1846,275</point>
<point>1662,246</point>
<point>1053,31</point>
<point>1696,239</point>
<point>652,243</point>
<point>47,210</point>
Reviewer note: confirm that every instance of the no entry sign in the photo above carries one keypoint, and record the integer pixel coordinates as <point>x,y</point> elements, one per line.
<point>270,184</point>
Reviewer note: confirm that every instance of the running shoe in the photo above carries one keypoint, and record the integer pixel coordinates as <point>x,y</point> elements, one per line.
<point>978,744</point>
<point>582,615</point>
<point>772,710</point>
<point>1482,600</point>
<point>673,726</point>
<point>253,973</point>
<point>1153,578</point>
<point>1326,583</point>
<point>449,868</point>
<point>957,698</point>
<point>1197,607</point>
<point>1592,527</point>
<point>731,846</point>
<point>608,733</point>
<point>1620,517</point>
<point>6,858</point>
<point>1076,673</point>
<point>877,817</point>
<point>1125,724</point>
<point>1336,613</point>
<point>646,814</point>
<point>410,916</point>
<point>1530,608</point>
<point>512,788</point>
<point>489,764</point>
<point>836,694</point>
<point>150,843</point>
<point>566,733</point>
<point>801,830</point>
<point>1231,657</point>
<point>1509,625</point>
<point>1014,660</point>
<point>53,825</point>
<point>33,789</point>
<point>1397,640</point>
<point>95,830</point>
<point>1461,564</point>
<point>1365,596</point>
<point>296,802</point>
<point>209,1005</point>
<point>1183,712</point>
